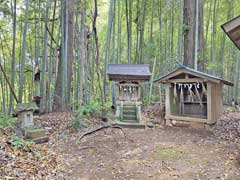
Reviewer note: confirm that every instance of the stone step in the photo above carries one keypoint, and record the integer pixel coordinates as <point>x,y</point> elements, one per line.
<point>40,139</point>
<point>129,109</point>
<point>34,133</point>
<point>130,117</point>
<point>130,120</point>
<point>129,124</point>
<point>133,113</point>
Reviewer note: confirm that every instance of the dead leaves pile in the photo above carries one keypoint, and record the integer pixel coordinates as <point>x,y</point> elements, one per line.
<point>228,127</point>
<point>55,121</point>
<point>29,162</point>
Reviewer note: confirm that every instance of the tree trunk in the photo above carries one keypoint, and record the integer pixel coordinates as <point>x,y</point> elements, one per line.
<point>70,43</point>
<point>43,65</point>
<point>201,44</point>
<point>49,99</point>
<point>141,42</point>
<point>180,32</point>
<point>13,57</point>
<point>24,43</point>
<point>188,33</point>
<point>107,53</point>
<point>119,34</point>
<point>97,51</point>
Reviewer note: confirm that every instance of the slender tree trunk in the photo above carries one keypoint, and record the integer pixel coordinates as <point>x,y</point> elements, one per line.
<point>128,5</point>
<point>213,36</point>
<point>172,30</point>
<point>196,34</point>
<point>82,55</point>
<point>151,83</point>
<point>13,56</point>
<point>97,51</point>
<point>113,51</point>
<point>43,64</point>
<point>223,38</point>
<point>119,34</point>
<point>50,61</point>
<point>24,44</point>
<point>137,21</point>
<point>237,78</point>
<point>141,42</point>
<point>180,34</point>
<point>201,43</point>
<point>107,54</point>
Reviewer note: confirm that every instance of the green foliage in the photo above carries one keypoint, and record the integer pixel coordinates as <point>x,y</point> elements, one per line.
<point>185,29</point>
<point>7,121</point>
<point>93,108</point>
<point>19,143</point>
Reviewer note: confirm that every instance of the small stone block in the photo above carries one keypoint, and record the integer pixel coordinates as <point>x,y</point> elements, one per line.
<point>40,140</point>
<point>34,133</point>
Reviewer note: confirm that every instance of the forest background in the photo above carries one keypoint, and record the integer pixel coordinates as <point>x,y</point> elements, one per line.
<point>59,49</point>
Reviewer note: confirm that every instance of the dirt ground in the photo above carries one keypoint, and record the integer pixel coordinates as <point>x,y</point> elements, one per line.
<point>161,153</point>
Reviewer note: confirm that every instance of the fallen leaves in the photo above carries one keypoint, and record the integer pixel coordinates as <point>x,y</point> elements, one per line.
<point>228,127</point>
<point>35,161</point>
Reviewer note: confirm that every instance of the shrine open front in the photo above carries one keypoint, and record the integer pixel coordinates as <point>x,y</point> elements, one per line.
<point>189,99</point>
<point>193,96</point>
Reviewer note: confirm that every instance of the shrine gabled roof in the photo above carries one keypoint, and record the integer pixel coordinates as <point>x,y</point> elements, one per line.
<point>26,107</point>
<point>129,72</point>
<point>232,29</point>
<point>187,70</point>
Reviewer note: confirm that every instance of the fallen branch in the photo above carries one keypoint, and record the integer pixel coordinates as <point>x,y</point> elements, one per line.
<point>101,128</point>
<point>87,147</point>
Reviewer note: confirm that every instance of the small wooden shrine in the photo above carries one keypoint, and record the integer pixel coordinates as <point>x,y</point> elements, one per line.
<point>232,29</point>
<point>24,112</point>
<point>128,79</point>
<point>25,123</point>
<point>192,96</point>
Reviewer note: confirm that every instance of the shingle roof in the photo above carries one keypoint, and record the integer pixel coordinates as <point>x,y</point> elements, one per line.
<point>26,107</point>
<point>136,71</point>
<point>232,29</point>
<point>186,69</point>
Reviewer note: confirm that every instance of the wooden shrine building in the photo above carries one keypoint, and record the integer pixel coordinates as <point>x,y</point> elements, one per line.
<point>232,29</point>
<point>192,96</point>
<point>128,79</point>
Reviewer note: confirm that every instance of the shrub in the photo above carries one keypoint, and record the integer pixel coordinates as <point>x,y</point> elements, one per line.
<point>7,121</point>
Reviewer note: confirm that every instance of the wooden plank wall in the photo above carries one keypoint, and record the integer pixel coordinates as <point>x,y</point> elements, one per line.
<point>216,102</point>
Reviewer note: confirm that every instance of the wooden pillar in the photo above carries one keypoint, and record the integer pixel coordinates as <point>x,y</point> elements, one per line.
<point>167,101</point>
<point>209,103</point>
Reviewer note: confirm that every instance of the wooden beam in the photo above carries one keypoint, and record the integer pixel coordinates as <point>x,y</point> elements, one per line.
<point>232,24</point>
<point>180,71</point>
<point>186,80</point>
<point>186,118</point>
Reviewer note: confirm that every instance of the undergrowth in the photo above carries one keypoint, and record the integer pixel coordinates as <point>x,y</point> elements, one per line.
<point>7,121</point>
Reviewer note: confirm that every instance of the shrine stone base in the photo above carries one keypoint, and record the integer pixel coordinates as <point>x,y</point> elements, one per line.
<point>129,112</point>
<point>196,125</point>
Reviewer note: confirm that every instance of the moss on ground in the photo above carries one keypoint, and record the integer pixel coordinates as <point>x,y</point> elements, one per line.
<point>168,153</point>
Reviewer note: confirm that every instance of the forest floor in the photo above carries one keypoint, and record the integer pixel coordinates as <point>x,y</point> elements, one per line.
<point>157,153</point>
<point>152,153</point>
